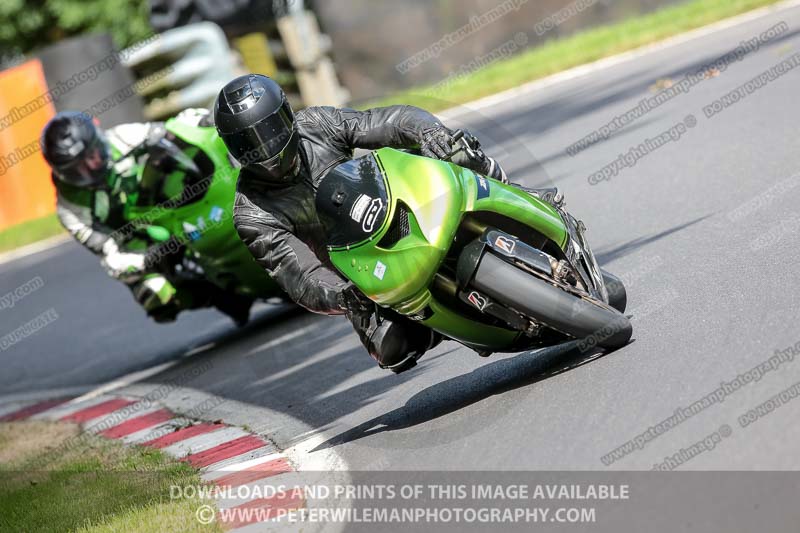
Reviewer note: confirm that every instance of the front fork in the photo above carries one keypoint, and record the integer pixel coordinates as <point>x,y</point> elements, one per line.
<point>582,259</point>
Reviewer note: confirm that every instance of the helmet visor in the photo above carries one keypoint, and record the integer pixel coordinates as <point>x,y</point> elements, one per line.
<point>284,165</point>
<point>90,170</point>
<point>263,140</point>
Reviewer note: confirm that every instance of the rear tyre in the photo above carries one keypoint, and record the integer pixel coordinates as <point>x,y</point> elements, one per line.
<point>550,305</point>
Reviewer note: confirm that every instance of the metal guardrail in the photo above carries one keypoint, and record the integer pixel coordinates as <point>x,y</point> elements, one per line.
<point>191,64</point>
<point>195,60</point>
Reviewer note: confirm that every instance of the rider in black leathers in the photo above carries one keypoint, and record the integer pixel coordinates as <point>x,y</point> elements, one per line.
<point>284,158</point>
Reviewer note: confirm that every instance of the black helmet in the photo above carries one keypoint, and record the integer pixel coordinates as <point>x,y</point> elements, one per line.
<point>256,122</point>
<point>76,150</point>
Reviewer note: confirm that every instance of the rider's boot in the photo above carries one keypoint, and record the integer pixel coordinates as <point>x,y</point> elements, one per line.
<point>236,306</point>
<point>394,341</point>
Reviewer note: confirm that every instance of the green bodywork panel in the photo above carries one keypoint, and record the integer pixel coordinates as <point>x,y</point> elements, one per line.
<point>438,195</point>
<point>432,198</point>
<point>205,225</point>
<point>158,234</point>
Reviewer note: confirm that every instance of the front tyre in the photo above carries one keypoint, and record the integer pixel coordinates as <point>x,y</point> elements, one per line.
<point>550,305</point>
<point>617,295</point>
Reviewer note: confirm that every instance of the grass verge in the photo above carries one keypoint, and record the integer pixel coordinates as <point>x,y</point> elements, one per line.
<point>52,477</point>
<point>29,232</point>
<point>562,54</point>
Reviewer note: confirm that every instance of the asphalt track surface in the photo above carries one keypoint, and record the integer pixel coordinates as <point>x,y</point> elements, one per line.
<point>709,300</point>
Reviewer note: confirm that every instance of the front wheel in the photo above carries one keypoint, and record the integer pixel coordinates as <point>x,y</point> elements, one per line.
<point>617,295</point>
<point>550,305</point>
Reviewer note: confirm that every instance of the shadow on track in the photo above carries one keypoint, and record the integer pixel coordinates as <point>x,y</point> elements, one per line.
<point>269,316</point>
<point>459,392</point>
<point>610,254</point>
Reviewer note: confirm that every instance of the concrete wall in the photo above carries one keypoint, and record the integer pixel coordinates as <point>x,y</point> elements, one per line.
<point>372,38</point>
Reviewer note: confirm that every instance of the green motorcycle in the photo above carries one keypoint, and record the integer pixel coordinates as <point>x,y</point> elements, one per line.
<point>486,264</point>
<point>183,206</point>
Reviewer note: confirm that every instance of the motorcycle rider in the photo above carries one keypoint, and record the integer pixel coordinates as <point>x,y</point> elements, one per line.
<point>284,156</point>
<point>94,173</point>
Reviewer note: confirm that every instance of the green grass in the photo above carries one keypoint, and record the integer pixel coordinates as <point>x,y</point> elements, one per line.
<point>584,47</point>
<point>29,232</point>
<point>53,479</point>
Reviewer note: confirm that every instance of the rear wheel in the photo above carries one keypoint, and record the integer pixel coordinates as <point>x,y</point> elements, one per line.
<point>550,305</point>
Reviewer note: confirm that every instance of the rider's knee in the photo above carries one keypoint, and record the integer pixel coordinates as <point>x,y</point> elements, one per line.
<point>157,296</point>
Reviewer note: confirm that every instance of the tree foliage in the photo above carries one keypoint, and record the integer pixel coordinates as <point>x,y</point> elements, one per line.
<point>27,25</point>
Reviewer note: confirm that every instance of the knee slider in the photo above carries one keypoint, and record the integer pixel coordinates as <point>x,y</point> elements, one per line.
<point>388,343</point>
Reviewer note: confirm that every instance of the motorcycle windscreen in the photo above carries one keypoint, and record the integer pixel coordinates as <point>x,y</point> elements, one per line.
<point>352,202</point>
<point>175,172</point>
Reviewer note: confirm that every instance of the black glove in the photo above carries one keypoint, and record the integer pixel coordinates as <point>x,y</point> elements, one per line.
<point>355,305</point>
<point>437,142</point>
<point>352,300</point>
<point>468,153</point>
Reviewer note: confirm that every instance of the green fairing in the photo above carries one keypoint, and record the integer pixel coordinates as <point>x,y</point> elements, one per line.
<point>438,195</point>
<point>158,234</point>
<point>225,260</point>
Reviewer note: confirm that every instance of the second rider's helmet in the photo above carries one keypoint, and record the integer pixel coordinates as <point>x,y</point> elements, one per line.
<point>76,150</point>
